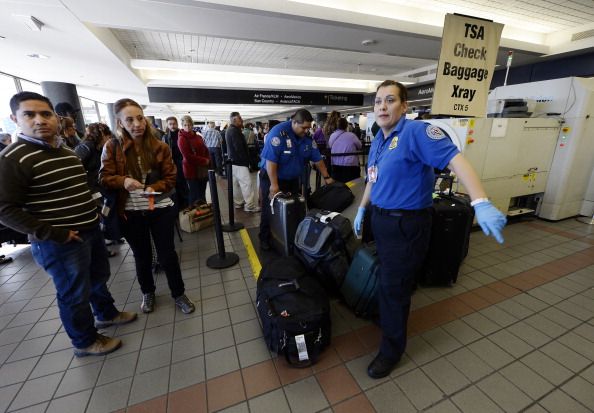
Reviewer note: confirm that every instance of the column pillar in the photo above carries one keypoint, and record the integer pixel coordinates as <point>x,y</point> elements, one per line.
<point>111,118</point>
<point>60,92</point>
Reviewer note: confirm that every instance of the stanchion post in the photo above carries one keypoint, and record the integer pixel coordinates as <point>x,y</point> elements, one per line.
<point>222,259</point>
<point>231,226</point>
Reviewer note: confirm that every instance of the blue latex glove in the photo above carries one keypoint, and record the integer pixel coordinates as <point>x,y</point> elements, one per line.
<point>490,219</point>
<point>359,221</point>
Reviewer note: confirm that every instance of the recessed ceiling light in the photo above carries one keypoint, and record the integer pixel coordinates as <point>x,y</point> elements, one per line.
<point>368,42</point>
<point>38,56</point>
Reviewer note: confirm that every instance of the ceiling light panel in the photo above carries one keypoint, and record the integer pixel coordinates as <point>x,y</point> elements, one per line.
<point>175,47</point>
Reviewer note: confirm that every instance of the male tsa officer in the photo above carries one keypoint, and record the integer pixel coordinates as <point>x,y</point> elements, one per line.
<point>287,149</point>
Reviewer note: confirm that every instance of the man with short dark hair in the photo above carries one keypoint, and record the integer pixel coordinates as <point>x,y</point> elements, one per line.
<point>44,193</point>
<point>286,150</point>
<point>237,151</point>
<point>181,185</point>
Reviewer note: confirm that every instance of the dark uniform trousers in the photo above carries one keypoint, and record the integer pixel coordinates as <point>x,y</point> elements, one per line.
<point>285,185</point>
<point>402,240</point>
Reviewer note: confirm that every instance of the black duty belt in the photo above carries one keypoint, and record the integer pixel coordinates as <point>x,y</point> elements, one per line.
<point>400,212</point>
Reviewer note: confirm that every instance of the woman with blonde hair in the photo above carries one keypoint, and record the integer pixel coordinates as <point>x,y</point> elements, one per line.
<point>136,165</point>
<point>196,160</point>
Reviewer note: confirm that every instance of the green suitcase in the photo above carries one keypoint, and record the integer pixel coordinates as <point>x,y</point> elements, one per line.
<point>359,289</point>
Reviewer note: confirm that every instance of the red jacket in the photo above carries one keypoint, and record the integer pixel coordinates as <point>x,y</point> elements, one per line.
<point>196,157</point>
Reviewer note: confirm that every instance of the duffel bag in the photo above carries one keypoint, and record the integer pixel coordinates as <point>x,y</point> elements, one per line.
<point>332,197</point>
<point>294,310</point>
<point>325,243</point>
<point>197,217</point>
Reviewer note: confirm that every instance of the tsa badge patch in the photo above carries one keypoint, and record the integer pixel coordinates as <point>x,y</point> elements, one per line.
<point>434,132</point>
<point>394,143</point>
<point>314,144</point>
<point>275,141</point>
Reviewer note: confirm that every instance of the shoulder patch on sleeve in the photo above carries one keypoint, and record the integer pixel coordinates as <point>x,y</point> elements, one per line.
<point>314,144</point>
<point>434,132</point>
<point>275,141</point>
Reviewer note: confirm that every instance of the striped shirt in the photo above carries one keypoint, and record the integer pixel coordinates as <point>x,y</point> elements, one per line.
<point>212,138</point>
<point>138,202</point>
<point>44,191</point>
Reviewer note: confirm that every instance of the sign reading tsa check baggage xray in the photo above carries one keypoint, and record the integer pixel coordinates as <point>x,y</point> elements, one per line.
<point>468,53</point>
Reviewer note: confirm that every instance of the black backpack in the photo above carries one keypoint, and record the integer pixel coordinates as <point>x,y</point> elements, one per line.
<point>325,243</point>
<point>295,311</point>
<point>334,197</point>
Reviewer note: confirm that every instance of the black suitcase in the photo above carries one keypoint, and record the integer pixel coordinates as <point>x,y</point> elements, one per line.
<point>287,212</point>
<point>325,243</point>
<point>294,310</point>
<point>450,237</point>
<point>335,197</point>
<point>359,289</point>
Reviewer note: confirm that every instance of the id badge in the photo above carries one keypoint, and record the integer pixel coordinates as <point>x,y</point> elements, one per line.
<point>372,174</point>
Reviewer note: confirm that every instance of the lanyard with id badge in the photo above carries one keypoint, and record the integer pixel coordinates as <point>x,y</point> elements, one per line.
<point>372,171</point>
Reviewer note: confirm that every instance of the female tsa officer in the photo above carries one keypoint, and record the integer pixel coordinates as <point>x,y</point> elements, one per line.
<point>400,183</point>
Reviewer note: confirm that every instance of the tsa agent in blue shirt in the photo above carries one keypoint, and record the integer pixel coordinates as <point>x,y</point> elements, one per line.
<point>399,192</point>
<point>286,151</point>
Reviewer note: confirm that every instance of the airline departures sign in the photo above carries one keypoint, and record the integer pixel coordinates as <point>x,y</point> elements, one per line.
<point>468,52</point>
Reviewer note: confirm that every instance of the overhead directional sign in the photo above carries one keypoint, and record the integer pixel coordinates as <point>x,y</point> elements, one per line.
<point>468,54</point>
<point>253,97</point>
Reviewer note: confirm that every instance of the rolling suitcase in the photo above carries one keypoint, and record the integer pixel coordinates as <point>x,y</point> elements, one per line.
<point>335,197</point>
<point>287,212</point>
<point>450,237</point>
<point>359,288</point>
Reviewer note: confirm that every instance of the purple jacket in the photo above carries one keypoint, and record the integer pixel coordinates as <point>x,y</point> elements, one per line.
<point>344,142</point>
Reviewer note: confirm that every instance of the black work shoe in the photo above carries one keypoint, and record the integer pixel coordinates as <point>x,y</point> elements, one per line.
<point>148,303</point>
<point>381,367</point>
<point>185,304</point>
<point>265,245</point>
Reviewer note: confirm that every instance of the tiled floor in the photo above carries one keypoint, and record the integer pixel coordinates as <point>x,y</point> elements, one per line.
<point>515,333</point>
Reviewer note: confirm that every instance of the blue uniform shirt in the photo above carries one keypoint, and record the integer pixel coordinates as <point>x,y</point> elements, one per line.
<point>405,162</point>
<point>289,151</point>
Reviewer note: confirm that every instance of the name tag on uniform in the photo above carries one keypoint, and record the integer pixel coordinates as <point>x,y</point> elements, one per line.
<point>287,152</point>
<point>372,174</point>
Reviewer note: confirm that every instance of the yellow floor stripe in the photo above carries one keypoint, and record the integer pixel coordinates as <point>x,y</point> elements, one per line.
<point>251,252</point>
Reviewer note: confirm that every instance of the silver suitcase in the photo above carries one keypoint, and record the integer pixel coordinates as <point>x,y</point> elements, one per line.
<point>287,212</point>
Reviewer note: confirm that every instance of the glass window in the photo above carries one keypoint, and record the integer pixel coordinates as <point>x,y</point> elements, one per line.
<point>89,111</point>
<point>103,113</point>
<point>7,90</point>
<point>31,87</point>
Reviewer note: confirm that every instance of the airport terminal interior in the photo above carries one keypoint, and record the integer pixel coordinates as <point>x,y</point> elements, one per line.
<point>514,332</point>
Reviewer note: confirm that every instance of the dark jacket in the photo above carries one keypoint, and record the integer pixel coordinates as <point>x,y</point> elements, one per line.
<point>113,172</point>
<point>170,138</point>
<point>237,148</point>
<point>90,157</point>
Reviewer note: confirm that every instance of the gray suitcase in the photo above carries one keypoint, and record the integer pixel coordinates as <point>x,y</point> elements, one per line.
<point>287,212</point>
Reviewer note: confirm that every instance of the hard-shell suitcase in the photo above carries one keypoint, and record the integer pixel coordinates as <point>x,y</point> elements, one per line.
<point>359,289</point>
<point>334,197</point>
<point>450,237</point>
<point>287,212</point>
<point>325,243</point>
<point>294,310</point>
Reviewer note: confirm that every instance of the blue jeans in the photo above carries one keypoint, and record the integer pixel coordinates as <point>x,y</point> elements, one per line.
<point>138,227</point>
<point>80,271</point>
<point>402,243</point>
